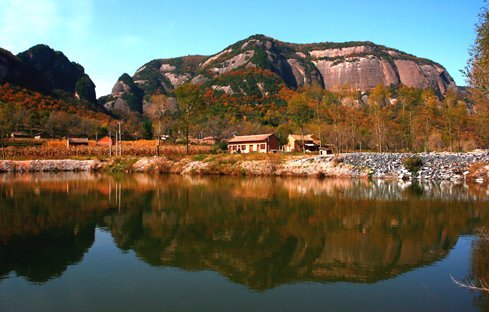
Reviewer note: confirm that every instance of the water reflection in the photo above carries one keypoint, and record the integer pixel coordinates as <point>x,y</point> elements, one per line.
<point>259,232</point>
<point>480,267</point>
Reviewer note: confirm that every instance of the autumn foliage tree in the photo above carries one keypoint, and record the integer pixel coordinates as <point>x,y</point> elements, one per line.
<point>477,69</point>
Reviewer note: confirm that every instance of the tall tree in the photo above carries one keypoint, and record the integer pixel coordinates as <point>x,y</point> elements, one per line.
<point>477,69</point>
<point>316,93</point>
<point>425,120</point>
<point>482,122</point>
<point>408,100</point>
<point>454,117</point>
<point>300,113</point>
<point>379,114</point>
<point>190,104</point>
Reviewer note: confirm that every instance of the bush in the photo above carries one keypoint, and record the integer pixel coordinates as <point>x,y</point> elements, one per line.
<point>199,157</point>
<point>413,164</point>
<point>120,165</point>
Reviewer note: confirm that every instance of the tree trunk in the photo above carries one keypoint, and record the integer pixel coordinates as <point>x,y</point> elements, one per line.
<point>303,146</point>
<point>186,141</point>
<point>319,126</point>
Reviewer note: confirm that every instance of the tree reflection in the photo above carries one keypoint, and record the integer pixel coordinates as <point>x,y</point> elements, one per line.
<point>259,232</point>
<point>480,267</point>
<point>46,256</point>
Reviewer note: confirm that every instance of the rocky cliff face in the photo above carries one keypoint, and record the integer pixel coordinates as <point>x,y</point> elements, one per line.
<point>335,66</point>
<point>126,96</point>
<point>43,69</point>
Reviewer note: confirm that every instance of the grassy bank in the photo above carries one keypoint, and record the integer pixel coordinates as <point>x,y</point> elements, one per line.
<point>456,167</point>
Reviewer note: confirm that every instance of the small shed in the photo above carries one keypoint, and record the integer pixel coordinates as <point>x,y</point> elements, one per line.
<point>77,142</point>
<point>326,150</point>
<point>295,141</point>
<point>208,140</point>
<point>21,134</point>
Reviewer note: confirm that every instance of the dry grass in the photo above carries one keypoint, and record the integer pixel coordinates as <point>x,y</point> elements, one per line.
<point>474,170</point>
<point>56,149</point>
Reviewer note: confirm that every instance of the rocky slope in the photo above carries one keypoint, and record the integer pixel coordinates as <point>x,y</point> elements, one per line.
<point>48,71</point>
<point>335,66</point>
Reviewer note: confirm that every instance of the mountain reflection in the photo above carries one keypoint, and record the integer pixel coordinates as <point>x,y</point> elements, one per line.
<point>260,232</point>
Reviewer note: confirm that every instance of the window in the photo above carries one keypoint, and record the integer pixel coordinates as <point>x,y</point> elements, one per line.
<point>234,147</point>
<point>262,146</point>
<point>251,148</point>
<point>243,147</point>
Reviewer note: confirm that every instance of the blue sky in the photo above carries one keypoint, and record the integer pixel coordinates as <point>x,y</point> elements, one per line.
<point>110,37</point>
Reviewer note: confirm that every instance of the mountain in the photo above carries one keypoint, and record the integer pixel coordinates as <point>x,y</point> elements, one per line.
<point>47,71</point>
<point>259,66</point>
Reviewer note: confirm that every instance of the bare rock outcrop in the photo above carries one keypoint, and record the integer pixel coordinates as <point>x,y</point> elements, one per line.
<point>358,73</point>
<point>126,96</point>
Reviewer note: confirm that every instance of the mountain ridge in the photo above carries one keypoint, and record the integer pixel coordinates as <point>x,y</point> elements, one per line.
<point>353,65</point>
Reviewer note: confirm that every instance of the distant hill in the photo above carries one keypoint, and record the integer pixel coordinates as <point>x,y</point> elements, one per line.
<point>49,72</point>
<point>43,92</point>
<point>259,66</point>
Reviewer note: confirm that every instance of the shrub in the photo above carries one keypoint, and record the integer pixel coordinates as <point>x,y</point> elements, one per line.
<point>199,157</point>
<point>119,165</point>
<point>413,164</point>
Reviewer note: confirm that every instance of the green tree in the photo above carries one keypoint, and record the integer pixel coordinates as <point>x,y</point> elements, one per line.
<point>300,113</point>
<point>190,105</point>
<point>147,129</point>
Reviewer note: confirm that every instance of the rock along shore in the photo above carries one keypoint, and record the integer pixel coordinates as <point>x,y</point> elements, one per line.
<point>435,166</point>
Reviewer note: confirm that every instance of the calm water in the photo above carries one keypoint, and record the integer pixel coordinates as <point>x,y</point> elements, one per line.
<point>83,242</point>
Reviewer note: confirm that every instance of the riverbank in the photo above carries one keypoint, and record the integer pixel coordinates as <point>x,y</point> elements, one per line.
<point>429,166</point>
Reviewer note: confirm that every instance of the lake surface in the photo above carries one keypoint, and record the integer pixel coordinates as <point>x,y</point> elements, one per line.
<point>94,242</point>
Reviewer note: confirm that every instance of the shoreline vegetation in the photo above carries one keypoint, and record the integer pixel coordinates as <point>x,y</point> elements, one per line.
<point>434,166</point>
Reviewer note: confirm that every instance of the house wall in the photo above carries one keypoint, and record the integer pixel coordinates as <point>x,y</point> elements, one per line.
<point>247,147</point>
<point>274,143</point>
<point>292,145</point>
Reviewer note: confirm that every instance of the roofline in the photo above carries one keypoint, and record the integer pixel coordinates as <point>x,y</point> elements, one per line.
<point>251,138</point>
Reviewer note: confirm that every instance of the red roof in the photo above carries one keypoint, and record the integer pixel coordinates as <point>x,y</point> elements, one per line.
<point>105,140</point>
<point>250,138</point>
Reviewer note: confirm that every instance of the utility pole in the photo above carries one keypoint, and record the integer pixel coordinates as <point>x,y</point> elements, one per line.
<point>160,113</point>
<point>110,144</point>
<point>116,143</point>
<point>319,124</point>
<point>120,138</point>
